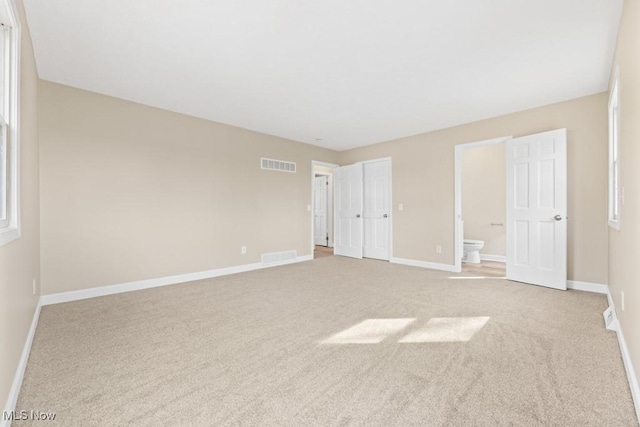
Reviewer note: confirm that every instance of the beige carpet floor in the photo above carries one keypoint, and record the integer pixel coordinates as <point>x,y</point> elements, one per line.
<point>330,342</point>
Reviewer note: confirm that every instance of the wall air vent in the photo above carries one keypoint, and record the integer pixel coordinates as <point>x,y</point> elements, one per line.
<point>279,257</point>
<point>278,165</point>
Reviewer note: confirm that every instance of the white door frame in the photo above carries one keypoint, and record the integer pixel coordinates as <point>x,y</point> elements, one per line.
<point>457,215</point>
<point>390,160</point>
<point>333,166</point>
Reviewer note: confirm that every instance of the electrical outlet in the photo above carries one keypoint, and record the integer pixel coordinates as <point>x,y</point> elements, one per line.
<point>243,250</point>
<point>34,287</point>
<point>622,300</point>
<point>308,208</point>
<point>400,207</point>
<point>438,249</point>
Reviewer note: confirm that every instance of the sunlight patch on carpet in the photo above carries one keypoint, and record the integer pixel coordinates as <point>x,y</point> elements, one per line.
<point>447,329</point>
<point>370,331</point>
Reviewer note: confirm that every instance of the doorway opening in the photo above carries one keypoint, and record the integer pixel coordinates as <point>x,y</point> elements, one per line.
<point>480,207</point>
<point>322,216</point>
<point>483,209</point>
<point>536,209</point>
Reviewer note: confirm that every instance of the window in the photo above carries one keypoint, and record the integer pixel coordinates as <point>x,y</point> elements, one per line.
<point>614,153</point>
<point>9,49</point>
<point>3,132</point>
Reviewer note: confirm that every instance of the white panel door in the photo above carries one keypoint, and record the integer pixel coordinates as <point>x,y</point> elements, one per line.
<point>348,209</point>
<point>537,209</point>
<point>320,211</point>
<point>377,209</point>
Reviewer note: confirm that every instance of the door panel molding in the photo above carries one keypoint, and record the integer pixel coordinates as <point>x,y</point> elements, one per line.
<point>348,208</point>
<point>373,228</point>
<point>537,209</point>
<point>377,209</point>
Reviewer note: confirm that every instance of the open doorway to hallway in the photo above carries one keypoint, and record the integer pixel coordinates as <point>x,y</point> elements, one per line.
<point>322,211</point>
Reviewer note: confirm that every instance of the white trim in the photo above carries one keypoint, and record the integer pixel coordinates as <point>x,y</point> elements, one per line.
<point>613,194</point>
<point>423,264</point>
<point>626,359</point>
<point>609,297</point>
<point>496,258</point>
<point>315,163</point>
<point>598,288</point>
<point>12,232</point>
<point>9,234</point>
<point>161,281</point>
<point>22,366</point>
<point>457,184</point>
<point>628,367</point>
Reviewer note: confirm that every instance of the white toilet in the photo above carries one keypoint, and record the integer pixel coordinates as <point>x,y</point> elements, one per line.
<point>472,250</point>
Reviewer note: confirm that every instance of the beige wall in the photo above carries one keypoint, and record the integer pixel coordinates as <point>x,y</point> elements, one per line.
<point>323,169</point>
<point>624,248</point>
<point>423,181</point>
<point>19,260</point>
<point>131,192</point>
<point>484,196</point>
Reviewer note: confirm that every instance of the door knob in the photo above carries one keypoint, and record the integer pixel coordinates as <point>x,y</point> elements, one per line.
<point>385,216</point>
<point>357,215</point>
<point>557,218</point>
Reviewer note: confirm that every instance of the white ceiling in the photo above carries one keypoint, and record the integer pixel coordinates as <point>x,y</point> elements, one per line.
<point>351,73</point>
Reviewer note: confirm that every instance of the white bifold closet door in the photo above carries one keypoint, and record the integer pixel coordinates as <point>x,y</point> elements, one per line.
<point>537,209</point>
<point>363,210</point>
<point>348,211</point>
<point>377,209</point>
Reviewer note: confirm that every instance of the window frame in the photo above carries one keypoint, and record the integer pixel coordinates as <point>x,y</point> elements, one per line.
<point>9,128</point>
<point>614,188</point>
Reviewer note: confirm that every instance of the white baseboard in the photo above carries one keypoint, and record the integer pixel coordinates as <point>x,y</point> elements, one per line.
<point>22,366</point>
<point>588,287</point>
<point>626,358</point>
<point>161,281</point>
<point>489,257</point>
<point>423,264</point>
<point>631,374</point>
